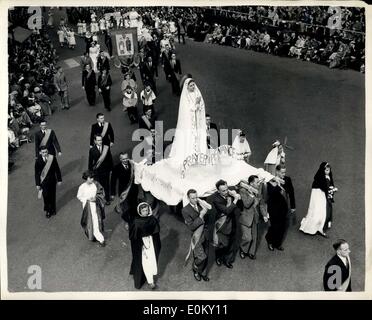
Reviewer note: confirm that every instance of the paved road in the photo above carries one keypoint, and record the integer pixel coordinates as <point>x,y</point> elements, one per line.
<point>320,110</point>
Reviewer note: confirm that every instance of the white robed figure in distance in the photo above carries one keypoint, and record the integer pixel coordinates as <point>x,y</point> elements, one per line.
<point>191,130</point>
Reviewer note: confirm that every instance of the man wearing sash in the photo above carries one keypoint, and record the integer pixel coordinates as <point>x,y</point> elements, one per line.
<point>47,176</point>
<point>122,184</point>
<point>100,162</point>
<point>103,129</point>
<point>280,203</point>
<point>147,121</point>
<point>193,215</point>
<point>225,204</point>
<point>337,272</point>
<point>46,138</point>
<point>104,87</point>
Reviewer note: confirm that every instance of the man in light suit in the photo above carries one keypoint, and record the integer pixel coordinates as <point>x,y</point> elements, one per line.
<point>337,272</point>
<point>253,206</point>
<point>194,214</point>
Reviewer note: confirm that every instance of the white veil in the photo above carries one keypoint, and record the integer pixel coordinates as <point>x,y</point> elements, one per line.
<point>191,130</point>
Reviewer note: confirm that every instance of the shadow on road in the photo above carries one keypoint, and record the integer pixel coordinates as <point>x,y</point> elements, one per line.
<point>69,195</point>
<point>168,251</point>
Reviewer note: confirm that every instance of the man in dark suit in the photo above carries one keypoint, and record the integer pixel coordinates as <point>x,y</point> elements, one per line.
<point>103,62</point>
<point>108,41</point>
<point>224,202</point>
<point>253,206</point>
<point>46,138</point>
<point>100,161</point>
<point>104,129</point>
<point>86,60</point>
<point>280,204</point>
<point>149,71</point>
<point>88,83</point>
<point>122,185</point>
<point>213,137</point>
<point>47,176</point>
<point>174,68</point>
<point>164,59</point>
<point>337,272</point>
<point>104,87</point>
<point>194,214</point>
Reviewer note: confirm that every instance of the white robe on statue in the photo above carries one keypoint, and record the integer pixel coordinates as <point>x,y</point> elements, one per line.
<point>191,132</point>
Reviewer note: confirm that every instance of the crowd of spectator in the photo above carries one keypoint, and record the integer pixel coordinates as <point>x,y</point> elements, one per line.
<point>333,36</point>
<point>32,65</point>
<point>307,33</point>
<point>326,35</point>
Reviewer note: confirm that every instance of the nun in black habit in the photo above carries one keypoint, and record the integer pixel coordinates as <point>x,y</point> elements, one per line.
<point>144,235</point>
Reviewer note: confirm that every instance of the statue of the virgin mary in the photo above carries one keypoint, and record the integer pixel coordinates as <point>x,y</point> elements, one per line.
<point>191,131</point>
<point>164,179</point>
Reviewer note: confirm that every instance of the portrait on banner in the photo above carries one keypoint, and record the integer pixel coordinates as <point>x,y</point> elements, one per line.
<point>126,42</point>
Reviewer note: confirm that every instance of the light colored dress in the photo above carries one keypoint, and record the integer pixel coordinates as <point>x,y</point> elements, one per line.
<point>87,191</point>
<point>316,213</point>
<point>71,38</point>
<point>61,36</point>
<point>80,28</point>
<point>102,24</point>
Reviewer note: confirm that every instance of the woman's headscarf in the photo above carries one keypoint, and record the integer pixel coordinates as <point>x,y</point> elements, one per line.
<point>144,205</point>
<point>320,179</point>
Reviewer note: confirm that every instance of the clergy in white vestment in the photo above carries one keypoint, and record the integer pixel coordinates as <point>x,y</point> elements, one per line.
<point>242,151</point>
<point>275,157</point>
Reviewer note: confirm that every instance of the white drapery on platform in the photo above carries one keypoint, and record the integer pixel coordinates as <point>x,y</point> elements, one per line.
<point>165,182</point>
